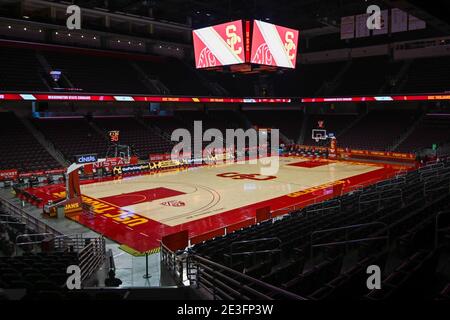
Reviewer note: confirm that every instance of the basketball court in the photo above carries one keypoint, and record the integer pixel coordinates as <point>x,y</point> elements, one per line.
<point>137,211</point>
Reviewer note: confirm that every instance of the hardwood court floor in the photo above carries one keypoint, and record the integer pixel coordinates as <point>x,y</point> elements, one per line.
<point>138,210</point>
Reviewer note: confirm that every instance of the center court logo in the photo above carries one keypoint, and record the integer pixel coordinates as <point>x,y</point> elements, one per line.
<point>245,147</point>
<point>245,176</point>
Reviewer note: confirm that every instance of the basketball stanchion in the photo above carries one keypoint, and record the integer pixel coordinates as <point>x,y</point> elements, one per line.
<point>146,275</point>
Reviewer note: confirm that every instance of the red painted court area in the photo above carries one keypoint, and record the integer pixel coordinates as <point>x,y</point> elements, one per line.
<point>131,198</point>
<point>121,218</point>
<point>310,163</point>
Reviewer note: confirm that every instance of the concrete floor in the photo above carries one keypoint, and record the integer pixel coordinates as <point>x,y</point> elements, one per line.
<point>129,269</point>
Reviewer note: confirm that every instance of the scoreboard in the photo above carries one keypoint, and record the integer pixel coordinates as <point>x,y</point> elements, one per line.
<point>240,43</point>
<point>219,45</point>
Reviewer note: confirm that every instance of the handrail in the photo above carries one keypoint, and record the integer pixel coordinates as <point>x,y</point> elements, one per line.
<point>354,226</point>
<point>299,205</point>
<point>348,241</point>
<point>75,241</point>
<point>206,262</point>
<point>172,262</point>
<point>348,227</point>
<point>308,211</point>
<point>378,196</point>
<point>10,222</point>
<point>28,219</point>
<point>18,244</point>
<point>252,241</point>
<point>32,235</point>
<point>91,257</point>
<point>8,216</point>
<point>436,228</point>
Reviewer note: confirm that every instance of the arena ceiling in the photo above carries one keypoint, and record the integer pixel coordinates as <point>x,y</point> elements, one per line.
<point>301,14</point>
<point>315,16</point>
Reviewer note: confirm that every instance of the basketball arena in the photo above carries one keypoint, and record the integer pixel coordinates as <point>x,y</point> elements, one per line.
<point>187,150</point>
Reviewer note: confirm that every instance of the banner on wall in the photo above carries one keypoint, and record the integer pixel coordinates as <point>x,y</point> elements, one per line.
<point>361,26</point>
<point>379,154</point>
<point>399,20</point>
<point>109,163</point>
<point>384,23</point>
<point>347,27</point>
<point>415,23</point>
<point>10,174</point>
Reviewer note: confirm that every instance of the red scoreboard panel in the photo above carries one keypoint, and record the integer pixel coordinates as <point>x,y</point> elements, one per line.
<point>274,45</point>
<point>245,46</point>
<point>219,45</point>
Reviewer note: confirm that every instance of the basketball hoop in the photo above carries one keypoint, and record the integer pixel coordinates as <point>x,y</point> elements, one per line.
<point>319,134</point>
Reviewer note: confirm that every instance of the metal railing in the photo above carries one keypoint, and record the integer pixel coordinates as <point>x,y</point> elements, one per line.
<point>379,197</point>
<point>297,206</point>
<point>30,239</point>
<point>228,284</point>
<point>437,229</point>
<point>254,243</point>
<point>72,243</point>
<point>324,210</point>
<point>31,222</point>
<point>92,256</point>
<point>348,241</point>
<point>174,263</point>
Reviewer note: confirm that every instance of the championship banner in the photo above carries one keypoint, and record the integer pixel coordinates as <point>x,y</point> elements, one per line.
<point>11,174</point>
<point>415,23</point>
<point>274,45</point>
<point>384,23</point>
<point>399,20</point>
<point>361,30</point>
<point>347,27</point>
<point>219,45</point>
